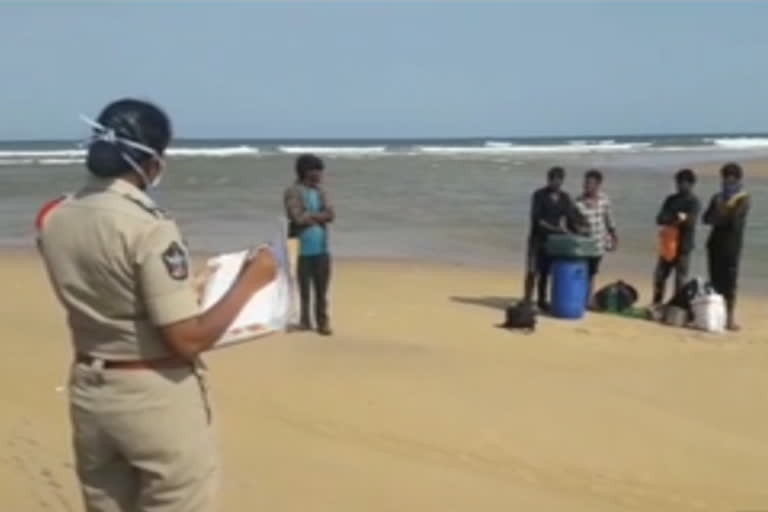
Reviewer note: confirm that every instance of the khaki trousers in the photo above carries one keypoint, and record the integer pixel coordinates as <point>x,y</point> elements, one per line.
<point>142,439</point>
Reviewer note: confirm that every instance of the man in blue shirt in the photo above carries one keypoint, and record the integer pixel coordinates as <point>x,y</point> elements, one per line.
<point>309,212</point>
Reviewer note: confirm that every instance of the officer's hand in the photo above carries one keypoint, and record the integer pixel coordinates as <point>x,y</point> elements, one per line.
<point>260,268</point>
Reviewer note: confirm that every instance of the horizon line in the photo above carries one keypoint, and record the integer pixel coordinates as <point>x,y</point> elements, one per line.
<point>418,138</point>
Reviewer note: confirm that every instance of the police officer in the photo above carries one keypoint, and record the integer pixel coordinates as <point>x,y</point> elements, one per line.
<point>138,401</point>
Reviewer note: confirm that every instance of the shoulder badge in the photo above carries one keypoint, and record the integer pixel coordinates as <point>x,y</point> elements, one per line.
<point>175,261</point>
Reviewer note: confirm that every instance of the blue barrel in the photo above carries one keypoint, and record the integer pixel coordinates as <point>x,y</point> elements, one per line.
<point>570,285</point>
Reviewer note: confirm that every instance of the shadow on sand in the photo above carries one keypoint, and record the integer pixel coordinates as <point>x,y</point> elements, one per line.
<point>499,303</point>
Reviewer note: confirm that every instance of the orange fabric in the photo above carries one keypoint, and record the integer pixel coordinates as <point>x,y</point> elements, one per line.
<point>669,242</point>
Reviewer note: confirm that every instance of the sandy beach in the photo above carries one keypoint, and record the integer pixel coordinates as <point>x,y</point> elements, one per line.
<point>753,168</point>
<point>435,126</point>
<point>420,403</point>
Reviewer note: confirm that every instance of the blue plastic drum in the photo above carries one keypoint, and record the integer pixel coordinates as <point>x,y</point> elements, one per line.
<point>570,285</point>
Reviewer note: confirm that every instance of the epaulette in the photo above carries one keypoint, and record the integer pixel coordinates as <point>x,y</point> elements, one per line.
<point>152,210</point>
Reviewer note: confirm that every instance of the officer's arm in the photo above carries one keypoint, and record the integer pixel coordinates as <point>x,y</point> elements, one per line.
<point>170,297</point>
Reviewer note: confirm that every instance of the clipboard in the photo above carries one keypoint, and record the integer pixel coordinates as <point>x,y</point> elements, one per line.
<point>270,309</point>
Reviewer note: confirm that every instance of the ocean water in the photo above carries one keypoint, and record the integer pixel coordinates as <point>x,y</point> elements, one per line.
<point>462,201</point>
<point>63,152</point>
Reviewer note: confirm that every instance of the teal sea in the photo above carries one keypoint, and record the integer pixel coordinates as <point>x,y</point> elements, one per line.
<point>460,201</point>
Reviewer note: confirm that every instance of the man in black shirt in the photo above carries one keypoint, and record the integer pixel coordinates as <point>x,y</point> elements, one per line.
<point>680,210</point>
<point>727,214</point>
<point>552,211</point>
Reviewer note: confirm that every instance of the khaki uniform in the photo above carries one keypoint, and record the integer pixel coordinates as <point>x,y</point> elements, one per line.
<point>142,437</point>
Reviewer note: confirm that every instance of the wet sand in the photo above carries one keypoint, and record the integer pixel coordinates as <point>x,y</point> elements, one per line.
<point>420,403</point>
<point>753,168</point>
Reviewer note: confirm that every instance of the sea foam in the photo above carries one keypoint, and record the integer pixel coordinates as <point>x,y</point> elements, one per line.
<point>333,150</point>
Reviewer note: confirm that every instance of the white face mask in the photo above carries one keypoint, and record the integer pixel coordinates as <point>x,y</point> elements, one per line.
<point>158,175</point>
<point>156,182</point>
<point>148,184</point>
<point>108,135</point>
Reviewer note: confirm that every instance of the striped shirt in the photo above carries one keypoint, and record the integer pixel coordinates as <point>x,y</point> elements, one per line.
<point>598,215</point>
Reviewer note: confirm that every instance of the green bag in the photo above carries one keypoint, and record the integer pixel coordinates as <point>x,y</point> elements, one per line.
<point>571,246</point>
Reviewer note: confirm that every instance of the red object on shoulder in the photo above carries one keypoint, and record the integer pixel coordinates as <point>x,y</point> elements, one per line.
<point>46,209</point>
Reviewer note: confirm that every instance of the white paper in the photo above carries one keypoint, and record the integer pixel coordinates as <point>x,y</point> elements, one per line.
<point>270,309</point>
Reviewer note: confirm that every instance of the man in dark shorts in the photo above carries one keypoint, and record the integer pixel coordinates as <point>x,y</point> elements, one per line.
<point>552,211</point>
<point>681,210</point>
<point>597,212</point>
<point>727,214</point>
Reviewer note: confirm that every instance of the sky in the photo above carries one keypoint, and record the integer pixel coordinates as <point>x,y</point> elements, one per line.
<point>392,69</point>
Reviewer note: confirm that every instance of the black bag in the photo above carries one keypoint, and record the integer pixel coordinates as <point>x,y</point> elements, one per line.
<point>693,288</point>
<point>520,316</point>
<point>615,297</point>
<point>683,299</point>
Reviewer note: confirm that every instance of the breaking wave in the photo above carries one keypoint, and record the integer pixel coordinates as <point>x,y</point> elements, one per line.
<point>36,153</point>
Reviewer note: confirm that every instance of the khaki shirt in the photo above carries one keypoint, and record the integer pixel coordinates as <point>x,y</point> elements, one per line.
<point>120,268</point>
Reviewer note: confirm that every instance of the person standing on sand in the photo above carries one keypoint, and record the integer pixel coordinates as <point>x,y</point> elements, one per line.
<point>309,212</point>
<point>595,207</point>
<point>139,406</point>
<point>727,214</point>
<point>552,211</point>
<point>680,211</point>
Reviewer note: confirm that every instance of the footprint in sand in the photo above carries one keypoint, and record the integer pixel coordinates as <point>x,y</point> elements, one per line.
<point>25,456</point>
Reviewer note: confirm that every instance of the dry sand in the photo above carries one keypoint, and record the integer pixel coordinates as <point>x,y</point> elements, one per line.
<point>420,404</point>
